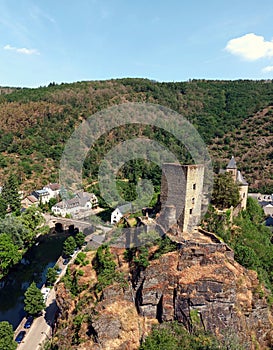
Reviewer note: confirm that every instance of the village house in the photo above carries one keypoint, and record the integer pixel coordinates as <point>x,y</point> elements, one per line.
<point>28,201</point>
<point>53,189</point>
<point>263,199</point>
<point>42,196</point>
<point>119,213</point>
<point>82,201</point>
<point>47,192</point>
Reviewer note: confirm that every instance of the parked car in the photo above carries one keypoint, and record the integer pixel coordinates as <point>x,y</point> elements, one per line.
<point>28,322</point>
<point>65,262</point>
<point>20,336</point>
<point>58,271</point>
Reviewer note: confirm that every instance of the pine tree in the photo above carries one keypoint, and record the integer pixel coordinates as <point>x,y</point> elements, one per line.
<point>34,302</point>
<point>51,275</point>
<point>79,239</point>
<point>6,336</point>
<point>10,193</point>
<point>69,246</point>
<point>3,208</point>
<point>225,192</point>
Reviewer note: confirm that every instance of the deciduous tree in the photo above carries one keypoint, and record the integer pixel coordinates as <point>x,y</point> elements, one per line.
<point>9,254</point>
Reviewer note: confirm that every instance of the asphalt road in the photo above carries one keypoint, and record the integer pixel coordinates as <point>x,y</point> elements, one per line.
<point>41,330</point>
<point>41,327</point>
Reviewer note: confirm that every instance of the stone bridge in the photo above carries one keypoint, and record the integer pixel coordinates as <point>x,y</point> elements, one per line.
<point>61,224</point>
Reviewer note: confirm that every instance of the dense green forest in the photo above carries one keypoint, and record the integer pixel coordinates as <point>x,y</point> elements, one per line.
<point>36,123</point>
<point>245,233</point>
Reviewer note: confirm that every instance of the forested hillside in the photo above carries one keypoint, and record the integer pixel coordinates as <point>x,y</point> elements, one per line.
<point>233,117</point>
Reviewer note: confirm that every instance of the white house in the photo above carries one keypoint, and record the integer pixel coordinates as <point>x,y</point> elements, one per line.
<point>119,212</point>
<point>53,189</point>
<point>49,191</point>
<point>81,202</point>
<point>42,196</point>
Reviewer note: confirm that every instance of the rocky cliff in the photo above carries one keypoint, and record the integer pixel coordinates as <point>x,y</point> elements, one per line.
<point>200,281</point>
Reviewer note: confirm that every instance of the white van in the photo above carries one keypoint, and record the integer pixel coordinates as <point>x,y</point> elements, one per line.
<point>45,291</point>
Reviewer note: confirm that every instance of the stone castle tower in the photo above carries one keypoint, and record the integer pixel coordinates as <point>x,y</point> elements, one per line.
<point>182,193</point>
<point>238,178</point>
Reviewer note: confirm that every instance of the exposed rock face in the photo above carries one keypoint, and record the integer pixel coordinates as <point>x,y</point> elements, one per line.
<point>204,279</point>
<point>199,280</point>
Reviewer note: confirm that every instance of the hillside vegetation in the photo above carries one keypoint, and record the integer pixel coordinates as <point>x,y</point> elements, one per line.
<point>233,117</point>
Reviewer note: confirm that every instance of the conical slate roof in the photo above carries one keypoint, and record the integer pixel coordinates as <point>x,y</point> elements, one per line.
<point>241,179</point>
<point>232,164</point>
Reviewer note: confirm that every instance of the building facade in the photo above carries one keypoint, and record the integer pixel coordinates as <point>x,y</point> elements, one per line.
<point>82,201</point>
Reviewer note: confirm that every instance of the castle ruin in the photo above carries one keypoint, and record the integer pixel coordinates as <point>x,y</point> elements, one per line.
<point>182,194</point>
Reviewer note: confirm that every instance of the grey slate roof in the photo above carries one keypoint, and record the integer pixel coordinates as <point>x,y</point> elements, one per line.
<point>241,179</point>
<point>232,163</point>
<point>80,200</point>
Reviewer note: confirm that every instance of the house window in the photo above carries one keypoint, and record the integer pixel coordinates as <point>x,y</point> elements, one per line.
<point>190,211</point>
<point>192,200</point>
<point>194,186</point>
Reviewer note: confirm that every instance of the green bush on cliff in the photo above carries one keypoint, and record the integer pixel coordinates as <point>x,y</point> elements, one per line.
<point>105,267</point>
<point>165,245</point>
<point>173,336</point>
<point>249,237</point>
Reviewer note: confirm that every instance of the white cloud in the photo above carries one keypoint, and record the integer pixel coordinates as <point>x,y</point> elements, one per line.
<point>250,47</point>
<point>22,50</point>
<point>267,69</point>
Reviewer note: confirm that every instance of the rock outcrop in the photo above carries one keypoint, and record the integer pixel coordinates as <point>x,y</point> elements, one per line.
<point>199,281</point>
<point>204,279</point>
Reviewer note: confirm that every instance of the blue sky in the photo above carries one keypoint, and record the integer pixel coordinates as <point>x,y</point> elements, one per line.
<point>42,41</point>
